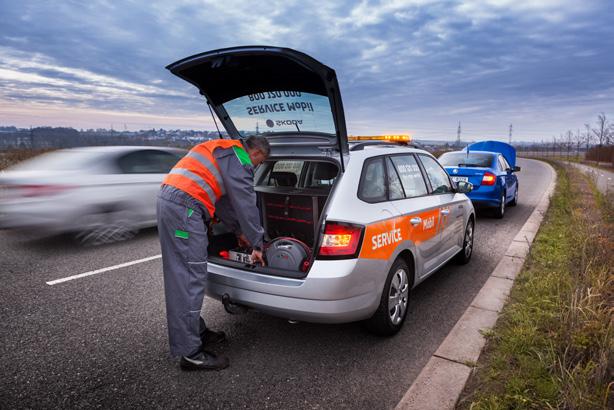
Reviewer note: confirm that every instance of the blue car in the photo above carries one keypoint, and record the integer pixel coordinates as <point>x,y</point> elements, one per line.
<point>490,166</point>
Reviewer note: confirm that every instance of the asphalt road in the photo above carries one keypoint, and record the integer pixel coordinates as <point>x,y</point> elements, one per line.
<point>100,341</point>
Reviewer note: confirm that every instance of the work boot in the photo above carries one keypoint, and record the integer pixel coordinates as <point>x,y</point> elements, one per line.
<point>210,337</point>
<point>203,360</point>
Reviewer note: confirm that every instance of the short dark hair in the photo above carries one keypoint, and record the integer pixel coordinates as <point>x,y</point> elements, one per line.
<point>259,143</point>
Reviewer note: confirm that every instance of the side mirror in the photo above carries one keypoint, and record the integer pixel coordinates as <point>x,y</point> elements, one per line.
<point>464,187</point>
<point>516,168</point>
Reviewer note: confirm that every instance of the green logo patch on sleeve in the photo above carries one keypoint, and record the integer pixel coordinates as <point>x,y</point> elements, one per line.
<point>242,155</point>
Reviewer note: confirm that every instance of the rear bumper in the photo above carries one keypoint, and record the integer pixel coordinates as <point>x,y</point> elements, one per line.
<point>486,196</point>
<point>333,292</point>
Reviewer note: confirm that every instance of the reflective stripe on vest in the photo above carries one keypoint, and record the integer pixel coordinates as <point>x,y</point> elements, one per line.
<point>210,167</point>
<point>198,174</point>
<point>201,182</point>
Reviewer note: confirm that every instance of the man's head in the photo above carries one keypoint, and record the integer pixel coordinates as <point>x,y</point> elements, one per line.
<point>258,149</point>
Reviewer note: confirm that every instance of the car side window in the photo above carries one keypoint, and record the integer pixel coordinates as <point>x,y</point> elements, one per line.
<point>395,189</point>
<point>411,176</point>
<point>500,162</point>
<point>147,162</point>
<point>504,163</point>
<point>372,187</point>
<point>440,182</point>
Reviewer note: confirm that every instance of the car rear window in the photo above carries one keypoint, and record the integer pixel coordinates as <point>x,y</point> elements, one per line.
<point>281,111</point>
<point>462,159</point>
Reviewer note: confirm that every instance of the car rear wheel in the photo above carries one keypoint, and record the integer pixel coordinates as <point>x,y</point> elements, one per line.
<point>106,226</point>
<point>515,200</point>
<point>392,311</point>
<point>500,210</point>
<point>464,256</point>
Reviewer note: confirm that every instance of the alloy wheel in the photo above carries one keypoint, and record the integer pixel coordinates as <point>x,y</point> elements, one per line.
<point>469,240</point>
<point>398,296</point>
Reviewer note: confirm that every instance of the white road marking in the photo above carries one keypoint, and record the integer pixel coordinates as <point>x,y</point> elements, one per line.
<point>97,271</point>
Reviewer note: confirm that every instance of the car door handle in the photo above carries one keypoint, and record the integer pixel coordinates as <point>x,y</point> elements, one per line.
<point>415,221</point>
<point>445,212</point>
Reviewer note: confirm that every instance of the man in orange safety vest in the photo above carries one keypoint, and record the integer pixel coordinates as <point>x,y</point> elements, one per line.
<point>215,178</point>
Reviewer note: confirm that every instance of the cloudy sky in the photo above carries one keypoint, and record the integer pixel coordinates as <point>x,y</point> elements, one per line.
<point>416,66</point>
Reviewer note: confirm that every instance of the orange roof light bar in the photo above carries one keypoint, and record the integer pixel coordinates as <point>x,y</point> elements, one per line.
<point>396,137</point>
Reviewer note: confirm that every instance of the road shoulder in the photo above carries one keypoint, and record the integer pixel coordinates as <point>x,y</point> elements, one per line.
<point>441,381</point>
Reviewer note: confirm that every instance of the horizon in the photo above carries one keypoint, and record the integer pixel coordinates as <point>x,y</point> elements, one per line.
<point>416,66</point>
<point>451,140</point>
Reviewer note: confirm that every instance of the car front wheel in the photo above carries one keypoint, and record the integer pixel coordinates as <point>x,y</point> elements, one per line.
<point>392,311</point>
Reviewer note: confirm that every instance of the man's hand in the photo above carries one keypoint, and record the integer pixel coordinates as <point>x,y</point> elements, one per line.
<point>243,242</point>
<point>257,258</point>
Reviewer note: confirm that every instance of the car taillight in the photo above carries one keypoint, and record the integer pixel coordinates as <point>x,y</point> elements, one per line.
<point>340,240</point>
<point>489,179</point>
<point>29,191</point>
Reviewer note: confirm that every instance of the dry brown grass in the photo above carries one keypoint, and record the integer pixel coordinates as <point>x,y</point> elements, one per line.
<point>13,156</point>
<point>553,346</point>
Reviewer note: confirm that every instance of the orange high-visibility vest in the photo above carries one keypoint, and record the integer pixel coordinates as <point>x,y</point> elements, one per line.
<point>198,174</point>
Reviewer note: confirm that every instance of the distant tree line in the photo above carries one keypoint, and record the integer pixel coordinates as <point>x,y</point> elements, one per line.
<point>42,138</point>
<point>594,142</point>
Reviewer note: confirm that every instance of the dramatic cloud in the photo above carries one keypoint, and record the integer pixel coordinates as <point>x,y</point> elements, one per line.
<point>415,66</point>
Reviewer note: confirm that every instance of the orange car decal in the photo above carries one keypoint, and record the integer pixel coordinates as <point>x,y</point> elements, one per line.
<point>381,238</point>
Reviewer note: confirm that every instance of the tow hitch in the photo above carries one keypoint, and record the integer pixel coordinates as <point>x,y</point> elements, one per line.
<point>232,308</point>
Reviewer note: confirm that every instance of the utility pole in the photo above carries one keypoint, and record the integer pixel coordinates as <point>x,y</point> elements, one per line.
<point>458,135</point>
<point>510,135</point>
<point>31,138</point>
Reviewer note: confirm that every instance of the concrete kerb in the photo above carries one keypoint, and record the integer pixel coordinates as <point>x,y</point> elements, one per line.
<point>441,382</point>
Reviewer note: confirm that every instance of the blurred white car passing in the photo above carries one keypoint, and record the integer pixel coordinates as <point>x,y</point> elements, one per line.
<point>100,194</point>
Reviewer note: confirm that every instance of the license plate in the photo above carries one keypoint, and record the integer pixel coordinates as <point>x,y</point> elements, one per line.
<point>459,179</point>
<point>240,257</point>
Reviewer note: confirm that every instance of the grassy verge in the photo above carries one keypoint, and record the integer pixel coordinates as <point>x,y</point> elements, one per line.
<point>605,202</point>
<point>601,165</point>
<point>553,344</point>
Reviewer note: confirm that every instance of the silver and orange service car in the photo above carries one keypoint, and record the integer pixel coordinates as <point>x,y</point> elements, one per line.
<point>351,224</point>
